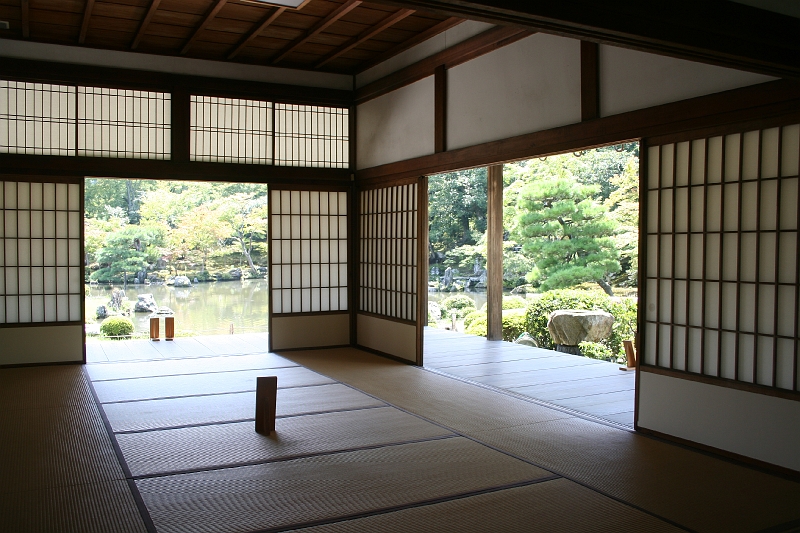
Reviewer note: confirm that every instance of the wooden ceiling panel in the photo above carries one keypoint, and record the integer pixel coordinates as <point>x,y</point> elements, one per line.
<point>106,9</point>
<point>331,35</point>
<point>178,33</point>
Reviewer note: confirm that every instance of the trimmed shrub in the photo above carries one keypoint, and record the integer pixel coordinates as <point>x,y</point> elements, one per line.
<point>595,350</point>
<point>623,310</point>
<point>513,324</point>
<point>460,303</point>
<point>478,326</point>
<point>514,302</point>
<point>470,318</point>
<point>116,326</point>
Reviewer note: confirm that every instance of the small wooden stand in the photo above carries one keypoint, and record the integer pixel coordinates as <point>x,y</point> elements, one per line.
<point>169,328</point>
<point>630,355</point>
<point>154,327</point>
<point>266,397</point>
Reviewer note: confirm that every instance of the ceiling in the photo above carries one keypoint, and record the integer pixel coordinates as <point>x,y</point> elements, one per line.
<point>342,36</point>
<point>349,36</point>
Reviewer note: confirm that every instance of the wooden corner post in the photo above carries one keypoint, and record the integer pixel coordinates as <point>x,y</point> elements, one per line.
<point>494,255</point>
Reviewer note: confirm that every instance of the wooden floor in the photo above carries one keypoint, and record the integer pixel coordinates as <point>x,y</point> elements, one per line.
<point>589,386</point>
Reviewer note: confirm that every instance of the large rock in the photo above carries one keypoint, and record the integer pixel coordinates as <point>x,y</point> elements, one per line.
<point>182,281</point>
<point>570,328</point>
<point>145,303</point>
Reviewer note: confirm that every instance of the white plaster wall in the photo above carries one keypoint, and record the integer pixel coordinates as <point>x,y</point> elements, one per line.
<point>528,86</point>
<point>41,344</point>
<point>434,45</point>
<point>388,336</point>
<point>396,126</point>
<point>174,65</point>
<point>632,80</point>
<point>312,331</point>
<point>754,425</point>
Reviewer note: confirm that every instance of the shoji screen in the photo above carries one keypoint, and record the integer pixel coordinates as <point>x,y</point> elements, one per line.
<point>389,270</point>
<point>41,271</point>
<point>308,269</point>
<point>720,301</point>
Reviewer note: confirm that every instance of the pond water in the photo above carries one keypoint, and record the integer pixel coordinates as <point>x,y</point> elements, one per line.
<point>211,308</point>
<point>204,309</point>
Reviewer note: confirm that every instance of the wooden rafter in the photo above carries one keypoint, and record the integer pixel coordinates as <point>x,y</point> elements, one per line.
<point>338,13</point>
<point>255,32</point>
<point>413,41</point>
<point>206,21</point>
<point>367,34</point>
<point>26,26</point>
<point>87,14</point>
<point>145,22</point>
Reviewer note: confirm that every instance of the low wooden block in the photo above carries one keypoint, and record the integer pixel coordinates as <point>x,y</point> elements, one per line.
<point>266,398</point>
<point>630,355</point>
<point>169,328</point>
<point>154,326</point>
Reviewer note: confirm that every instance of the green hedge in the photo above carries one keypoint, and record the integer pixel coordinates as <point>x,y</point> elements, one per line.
<point>461,304</point>
<point>116,326</point>
<point>513,324</point>
<point>623,310</point>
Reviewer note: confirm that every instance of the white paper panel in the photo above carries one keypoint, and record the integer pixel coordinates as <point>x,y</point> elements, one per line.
<point>769,152</point>
<point>766,309</point>
<point>790,150</point>
<point>789,201</point>
<point>784,368</point>
<point>679,348</point>
<point>712,256</point>
<point>694,350</point>
<point>732,151</point>
<point>746,357</point>
<point>786,310</point>
<point>727,351</point>
<point>750,153</point>
<point>712,301</point>
<point>667,165</point>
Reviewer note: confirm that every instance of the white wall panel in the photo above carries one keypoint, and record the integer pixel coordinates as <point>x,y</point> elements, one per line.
<point>754,425</point>
<point>631,80</point>
<point>388,336</point>
<point>397,126</point>
<point>41,344</point>
<point>290,332</point>
<point>434,45</point>
<point>82,55</point>
<point>528,86</point>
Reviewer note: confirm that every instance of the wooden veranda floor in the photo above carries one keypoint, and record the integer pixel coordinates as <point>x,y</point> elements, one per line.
<point>588,386</point>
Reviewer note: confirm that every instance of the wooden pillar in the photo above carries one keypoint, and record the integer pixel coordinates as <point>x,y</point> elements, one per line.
<point>266,402</point>
<point>169,328</point>
<point>590,81</point>
<point>422,265</point>
<point>494,253</point>
<point>154,326</point>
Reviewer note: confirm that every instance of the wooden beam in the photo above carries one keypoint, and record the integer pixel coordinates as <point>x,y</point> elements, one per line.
<point>145,22</point>
<point>367,34</point>
<point>440,109</point>
<point>206,21</point>
<point>494,253</point>
<point>87,14</point>
<point>319,27</point>
<point>26,24</point>
<point>413,41</point>
<point>255,32</point>
<point>754,106</point>
<point>716,32</point>
<point>590,81</point>
<point>423,268</point>
<point>462,52</point>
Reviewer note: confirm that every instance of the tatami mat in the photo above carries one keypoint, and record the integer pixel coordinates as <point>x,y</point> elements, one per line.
<point>443,400</point>
<point>524,365</point>
<point>202,447</point>
<point>327,487</point>
<point>623,381</point>
<point>95,508</point>
<point>550,507</point>
<point>692,489</point>
<point>201,384</point>
<point>43,386</point>
<point>695,490</point>
<point>152,414</point>
<point>197,365</point>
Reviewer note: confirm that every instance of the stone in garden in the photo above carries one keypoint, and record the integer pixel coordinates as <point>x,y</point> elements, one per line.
<point>526,340</point>
<point>570,327</point>
<point>101,312</point>
<point>145,303</point>
<point>182,281</point>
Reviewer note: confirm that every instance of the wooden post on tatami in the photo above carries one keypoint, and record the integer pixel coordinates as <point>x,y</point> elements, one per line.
<point>169,328</point>
<point>266,398</point>
<point>154,326</point>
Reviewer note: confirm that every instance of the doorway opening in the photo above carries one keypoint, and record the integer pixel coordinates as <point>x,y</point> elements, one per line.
<point>570,242</point>
<point>196,251</point>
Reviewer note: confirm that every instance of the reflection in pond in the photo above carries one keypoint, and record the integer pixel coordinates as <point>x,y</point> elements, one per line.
<point>204,309</point>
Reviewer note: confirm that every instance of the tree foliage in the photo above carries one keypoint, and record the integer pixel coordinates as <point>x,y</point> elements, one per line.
<point>457,206</point>
<point>566,232</point>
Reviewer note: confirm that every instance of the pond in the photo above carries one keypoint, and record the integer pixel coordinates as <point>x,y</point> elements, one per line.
<point>204,309</point>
